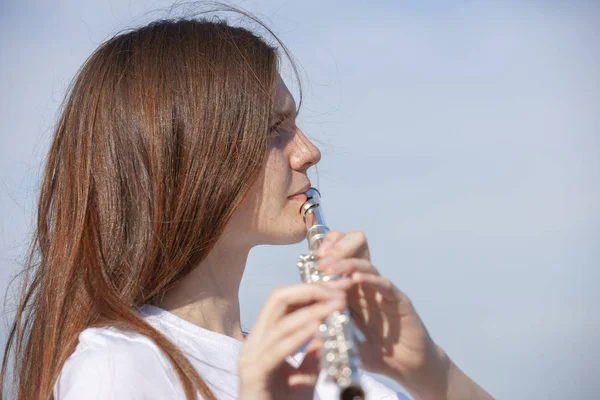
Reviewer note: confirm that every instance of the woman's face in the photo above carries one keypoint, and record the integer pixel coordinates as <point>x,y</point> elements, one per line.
<point>270,213</point>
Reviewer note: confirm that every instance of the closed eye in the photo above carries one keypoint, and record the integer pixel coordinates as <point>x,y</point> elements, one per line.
<point>283,116</point>
<point>276,125</point>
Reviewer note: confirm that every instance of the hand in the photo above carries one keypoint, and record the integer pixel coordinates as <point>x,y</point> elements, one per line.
<point>397,343</point>
<point>290,317</point>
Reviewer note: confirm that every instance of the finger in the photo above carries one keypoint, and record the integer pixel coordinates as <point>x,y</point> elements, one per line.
<point>340,284</point>
<point>261,357</point>
<point>348,266</point>
<point>316,312</point>
<point>293,331</point>
<point>328,242</point>
<point>387,289</point>
<point>281,300</point>
<point>353,244</point>
<point>309,369</point>
<point>301,379</point>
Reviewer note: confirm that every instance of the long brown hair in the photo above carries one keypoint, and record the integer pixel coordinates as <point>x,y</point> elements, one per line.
<point>161,133</point>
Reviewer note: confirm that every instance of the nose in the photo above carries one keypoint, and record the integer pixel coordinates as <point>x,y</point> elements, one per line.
<point>304,153</point>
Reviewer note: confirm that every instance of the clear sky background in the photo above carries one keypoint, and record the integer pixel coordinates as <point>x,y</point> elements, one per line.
<point>462,136</point>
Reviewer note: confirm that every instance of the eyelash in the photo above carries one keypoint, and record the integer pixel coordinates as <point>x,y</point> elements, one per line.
<point>276,125</point>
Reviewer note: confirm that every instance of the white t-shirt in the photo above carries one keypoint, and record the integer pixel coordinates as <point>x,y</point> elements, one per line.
<point>109,363</point>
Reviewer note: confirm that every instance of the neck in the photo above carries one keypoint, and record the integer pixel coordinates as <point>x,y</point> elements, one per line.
<point>209,295</point>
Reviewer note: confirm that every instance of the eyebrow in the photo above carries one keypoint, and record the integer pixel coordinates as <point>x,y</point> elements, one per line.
<point>289,109</point>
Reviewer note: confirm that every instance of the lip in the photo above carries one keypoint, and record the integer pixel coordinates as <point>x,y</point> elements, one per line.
<point>298,197</point>
<point>301,194</point>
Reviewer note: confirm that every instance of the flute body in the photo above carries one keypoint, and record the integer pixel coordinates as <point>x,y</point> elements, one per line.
<point>339,354</point>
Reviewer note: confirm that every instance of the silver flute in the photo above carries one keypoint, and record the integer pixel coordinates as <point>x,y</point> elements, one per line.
<point>339,353</point>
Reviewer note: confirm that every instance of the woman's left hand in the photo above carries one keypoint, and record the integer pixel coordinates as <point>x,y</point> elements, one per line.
<point>397,343</point>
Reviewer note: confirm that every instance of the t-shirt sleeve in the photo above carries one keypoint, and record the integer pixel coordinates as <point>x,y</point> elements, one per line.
<point>117,368</point>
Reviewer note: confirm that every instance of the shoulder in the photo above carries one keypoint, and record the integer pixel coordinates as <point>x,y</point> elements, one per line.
<point>112,364</point>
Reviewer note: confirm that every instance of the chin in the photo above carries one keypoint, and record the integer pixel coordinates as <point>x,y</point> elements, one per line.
<point>289,237</point>
<point>299,234</point>
<point>299,237</point>
<point>287,229</point>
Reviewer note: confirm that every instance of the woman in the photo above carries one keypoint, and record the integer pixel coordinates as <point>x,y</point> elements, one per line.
<point>177,152</point>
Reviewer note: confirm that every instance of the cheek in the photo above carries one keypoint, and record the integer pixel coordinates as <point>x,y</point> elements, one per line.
<point>277,175</point>
<point>279,217</point>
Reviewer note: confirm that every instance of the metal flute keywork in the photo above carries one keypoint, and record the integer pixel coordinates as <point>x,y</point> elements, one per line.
<point>339,354</point>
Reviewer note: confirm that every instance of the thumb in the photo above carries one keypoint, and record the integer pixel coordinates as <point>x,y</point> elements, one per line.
<point>308,372</point>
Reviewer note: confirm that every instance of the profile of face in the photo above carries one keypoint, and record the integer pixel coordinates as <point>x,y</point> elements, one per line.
<point>270,213</point>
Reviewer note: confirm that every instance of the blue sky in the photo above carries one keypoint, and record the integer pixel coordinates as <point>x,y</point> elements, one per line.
<point>462,136</point>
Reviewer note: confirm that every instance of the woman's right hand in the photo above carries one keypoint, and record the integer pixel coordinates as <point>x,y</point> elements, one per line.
<point>290,317</point>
